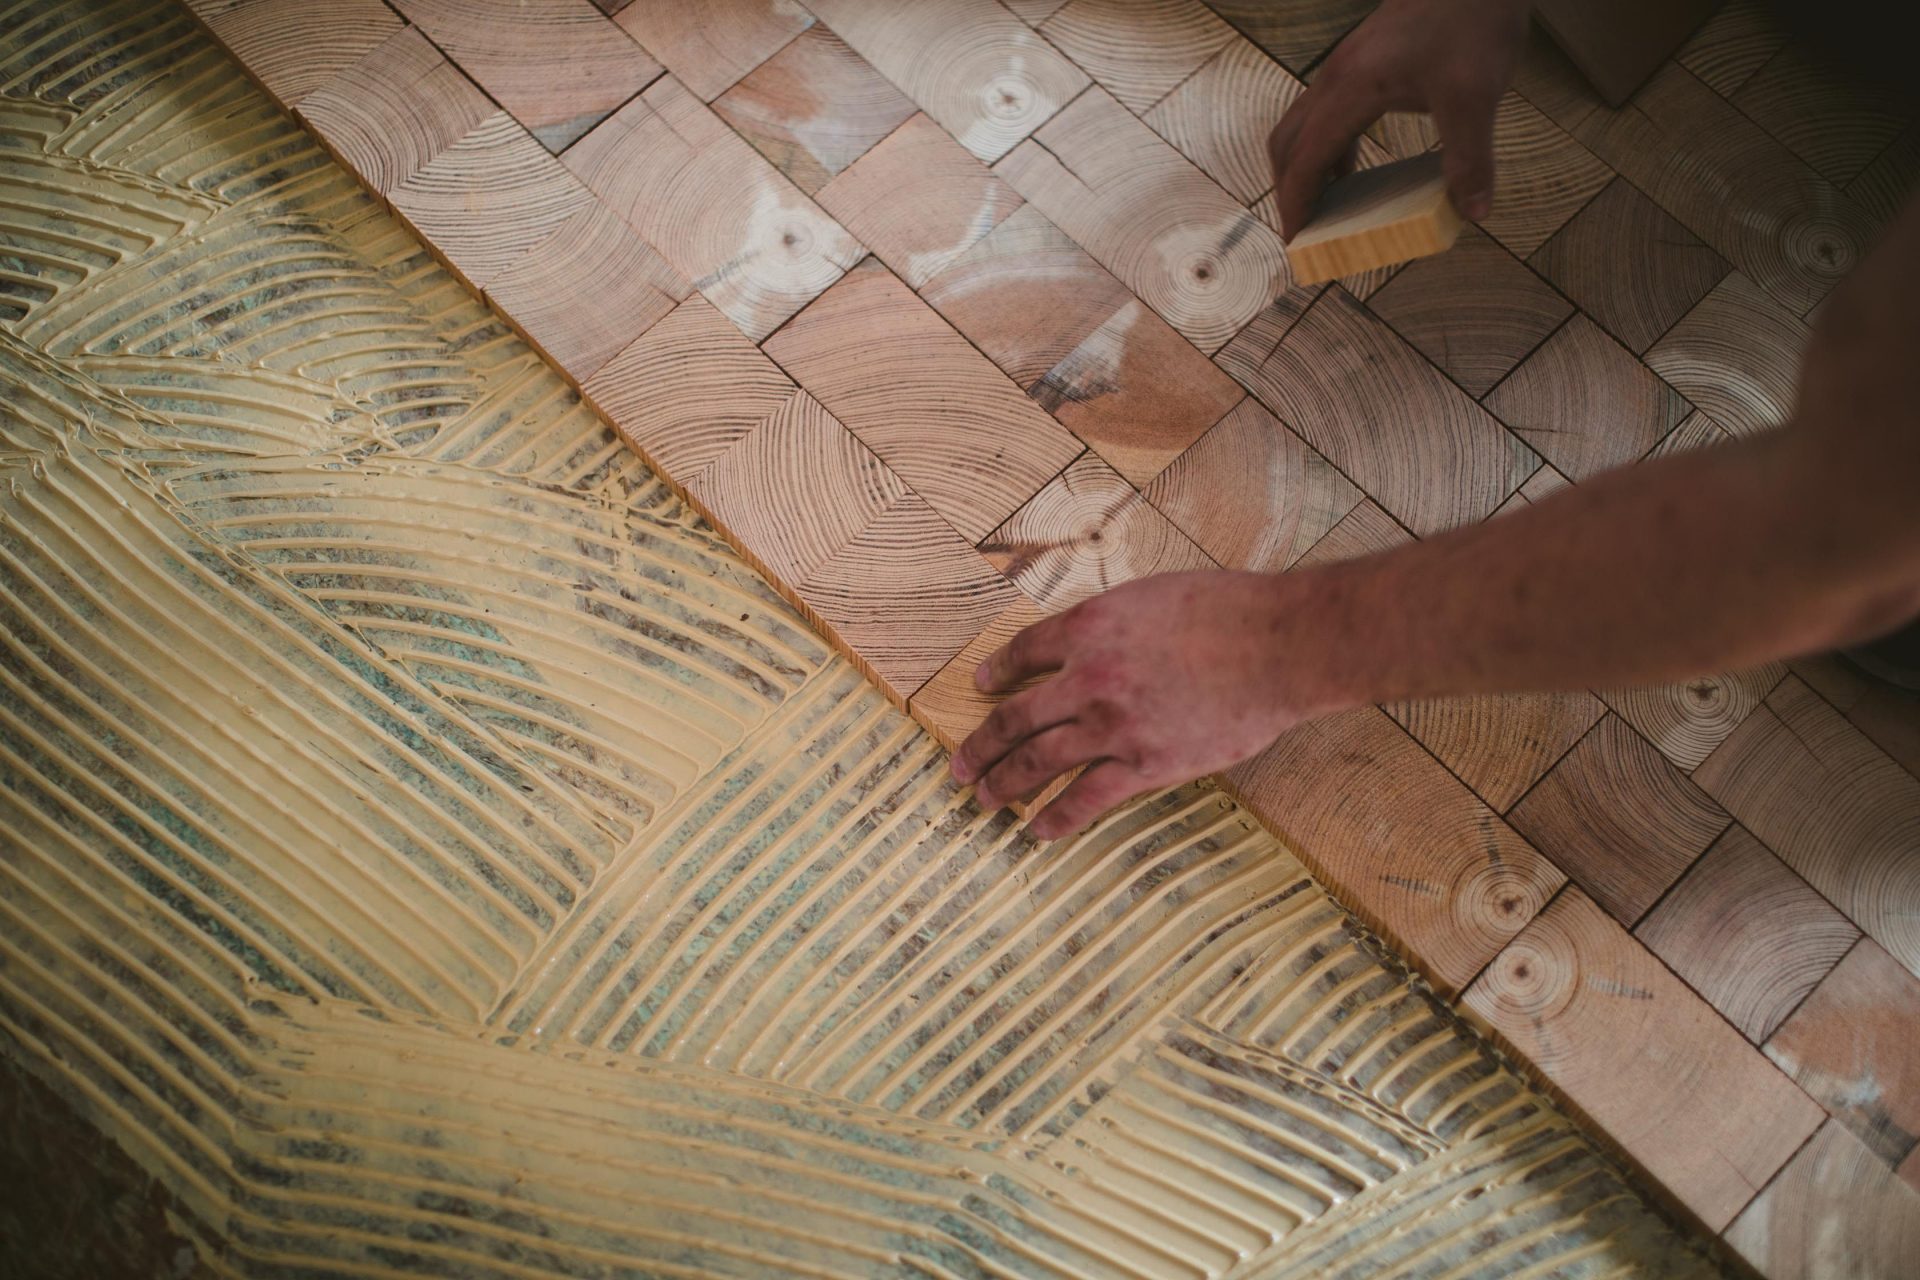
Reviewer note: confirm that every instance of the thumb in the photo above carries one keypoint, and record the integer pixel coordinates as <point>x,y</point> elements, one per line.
<point>1465,124</point>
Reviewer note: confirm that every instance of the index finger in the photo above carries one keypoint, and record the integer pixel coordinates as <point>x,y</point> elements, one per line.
<point>1035,651</point>
<point>1324,138</point>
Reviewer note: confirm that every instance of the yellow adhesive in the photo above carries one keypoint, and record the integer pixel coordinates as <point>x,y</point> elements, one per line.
<point>426,847</point>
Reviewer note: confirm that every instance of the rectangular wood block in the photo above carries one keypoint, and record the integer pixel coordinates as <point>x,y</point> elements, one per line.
<point>1374,218</point>
<point>711,44</point>
<point>389,114</point>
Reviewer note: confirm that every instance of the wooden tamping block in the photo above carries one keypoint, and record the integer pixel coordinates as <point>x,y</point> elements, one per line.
<point>1375,218</point>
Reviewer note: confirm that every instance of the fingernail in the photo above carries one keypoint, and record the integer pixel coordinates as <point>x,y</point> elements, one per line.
<point>1479,205</point>
<point>982,674</point>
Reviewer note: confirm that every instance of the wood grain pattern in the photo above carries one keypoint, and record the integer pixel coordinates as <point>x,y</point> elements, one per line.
<point>1832,805</point>
<point>1584,1003</point>
<point>1475,311</point>
<point>906,595</point>
<point>1253,494</point>
<point>813,108</point>
<point>1747,933</point>
<point>1220,116</point>
<point>1736,355</point>
<point>1500,744</point>
<point>934,409</point>
<point>1187,248</point>
<point>1619,46</point>
<point>1833,1211</point>
<point>1687,720</point>
<point>987,77</point>
<point>1835,121</point>
<point>386,116</point>
<point>293,47</point>
<point>587,291</point>
<point>1629,265</point>
<point>1087,531</point>
<point>796,489</point>
<point>489,198</point>
<point>1135,50</point>
<point>1106,367</point>
<point>1359,394</point>
<point>726,219</point>
<point>1619,819</point>
<point>1854,1046</point>
<point>1375,217</point>
<point>687,389</point>
<point>710,45</point>
<point>1733,44</point>
<point>919,200</point>
<point>558,67</point>
<point>1883,186</point>
<point>1542,177</point>
<point>1298,34</point>
<point>1585,403</point>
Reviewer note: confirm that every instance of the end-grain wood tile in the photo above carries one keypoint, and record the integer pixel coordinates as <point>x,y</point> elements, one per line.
<point>1372,404</point>
<point>1542,177</point>
<point>749,240</point>
<point>1747,933</point>
<point>1364,531</point>
<point>1890,717</point>
<point>1909,1172</point>
<point>1034,12</point>
<point>813,108</point>
<point>392,112</point>
<point>1686,721</point>
<point>1137,50</point>
<point>490,197</point>
<point>1253,494</point>
<point>919,200</point>
<point>986,76</point>
<point>1543,484</point>
<point>1500,744</point>
<point>1834,1211</point>
<point>1299,35</point>
<point>797,488</point>
<point>934,409</point>
<point>1187,248</point>
<point>1475,310</point>
<point>1087,531</point>
<point>1733,44</point>
<point>906,595</point>
<point>1629,265</point>
<point>1219,118</point>
<point>1832,805</point>
<point>687,389</point>
<point>1647,1061</point>
<point>1617,47</point>
<point>1834,120</point>
<point>294,47</point>
<point>1619,819</point>
<point>1585,402</point>
<point>587,291</point>
<point>710,45</point>
<point>558,66</point>
<point>1087,350</point>
<point>1854,1046</point>
<point>1884,186</point>
<point>1736,355</point>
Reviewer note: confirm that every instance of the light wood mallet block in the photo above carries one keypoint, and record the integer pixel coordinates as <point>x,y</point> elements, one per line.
<point>1375,218</point>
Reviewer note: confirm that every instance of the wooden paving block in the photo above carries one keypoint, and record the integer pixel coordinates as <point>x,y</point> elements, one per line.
<point>586,292</point>
<point>687,389</point>
<point>750,241</point>
<point>294,47</point>
<point>1618,45</point>
<point>934,409</point>
<point>1909,1172</point>
<point>1087,350</point>
<point>1298,33</point>
<point>1836,121</point>
<point>1359,394</point>
<point>1834,1211</point>
<point>1854,1046</point>
<point>1220,116</point>
<point>919,200</point>
<point>813,108</point>
<point>1500,744</point>
<point>796,489</point>
<point>1364,531</point>
<point>1137,51</point>
<point>1543,483</point>
<point>1586,403</point>
<point>1542,177</point>
<point>1619,819</point>
<point>1686,721</point>
<point>1747,933</point>
<point>710,45</point>
<point>1187,248</point>
<point>1253,494</point>
<point>1374,218</point>
<point>1476,311</point>
<point>1832,805</point>
<point>1736,355</point>
<point>1890,717</point>
<point>1629,265</point>
<point>1087,531</point>
<point>1644,1059</point>
<point>1883,186</point>
<point>987,77</point>
<point>559,66</point>
<point>1733,44</point>
<point>392,112</point>
<point>906,595</point>
<point>1034,12</point>
<point>486,200</point>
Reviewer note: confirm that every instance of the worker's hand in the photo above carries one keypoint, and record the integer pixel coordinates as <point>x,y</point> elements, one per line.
<point>1449,58</point>
<point>1156,682</point>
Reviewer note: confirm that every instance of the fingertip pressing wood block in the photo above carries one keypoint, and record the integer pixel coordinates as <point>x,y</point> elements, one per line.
<point>1376,218</point>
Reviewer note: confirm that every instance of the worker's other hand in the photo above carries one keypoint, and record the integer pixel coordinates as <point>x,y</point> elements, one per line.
<point>1154,683</point>
<point>1450,58</point>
